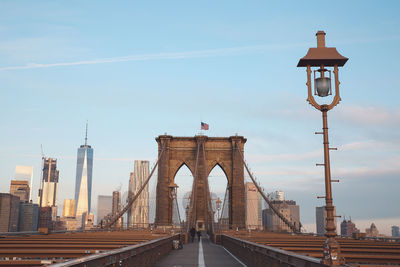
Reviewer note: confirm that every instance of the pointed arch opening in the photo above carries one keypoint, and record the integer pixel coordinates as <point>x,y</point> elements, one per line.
<point>218,184</point>
<point>183,178</point>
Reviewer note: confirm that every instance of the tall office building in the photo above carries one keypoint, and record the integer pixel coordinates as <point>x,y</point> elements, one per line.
<point>320,217</point>
<point>48,189</point>
<point>69,208</point>
<point>138,214</point>
<point>9,213</point>
<point>395,231</point>
<point>253,205</point>
<point>347,228</point>
<point>83,184</point>
<point>288,209</point>
<point>25,173</point>
<point>116,207</point>
<point>21,189</point>
<point>104,207</point>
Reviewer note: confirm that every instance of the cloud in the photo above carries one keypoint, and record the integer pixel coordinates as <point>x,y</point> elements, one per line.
<point>158,56</point>
<point>368,172</point>
<point>384,145</point>
<point>254,158</point>
<point>370,115</point>
<point>124,159</point>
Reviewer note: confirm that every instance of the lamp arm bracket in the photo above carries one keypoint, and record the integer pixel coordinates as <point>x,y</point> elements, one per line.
<point>337,98</point>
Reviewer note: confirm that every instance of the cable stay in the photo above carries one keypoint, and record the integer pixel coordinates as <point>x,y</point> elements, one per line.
<point>210,215</point>
<point>223,208</point>
<point>177,214</point>
<point>190,220</point>
<point>273,208</point>
<point>115,218</point>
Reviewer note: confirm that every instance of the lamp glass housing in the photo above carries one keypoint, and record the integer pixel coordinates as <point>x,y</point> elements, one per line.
<point>322,84</point>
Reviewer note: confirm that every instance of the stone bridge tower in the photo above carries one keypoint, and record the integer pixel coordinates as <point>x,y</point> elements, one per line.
<point>209,152</point>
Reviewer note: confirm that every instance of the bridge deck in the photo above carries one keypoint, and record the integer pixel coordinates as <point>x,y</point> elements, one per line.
<point>203,253</point>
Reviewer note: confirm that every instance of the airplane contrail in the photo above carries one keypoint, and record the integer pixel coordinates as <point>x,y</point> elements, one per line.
<point>158,56</point>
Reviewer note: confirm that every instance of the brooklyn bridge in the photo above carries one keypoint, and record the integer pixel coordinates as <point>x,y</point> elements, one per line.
<point>221,242</point>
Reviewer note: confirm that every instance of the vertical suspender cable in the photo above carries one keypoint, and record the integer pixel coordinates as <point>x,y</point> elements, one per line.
<point>273,208</point>
<point>190,220</point>
<point>208,195</point>
<point>133,199</point>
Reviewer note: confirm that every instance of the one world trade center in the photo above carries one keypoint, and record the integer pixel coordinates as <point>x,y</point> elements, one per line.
<point>83,185</point>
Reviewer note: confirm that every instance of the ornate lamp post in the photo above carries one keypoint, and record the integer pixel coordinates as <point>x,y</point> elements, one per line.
<point>218,203</point>
<point>173,191</point>
<point>323,57</point>
<point>173,194</point>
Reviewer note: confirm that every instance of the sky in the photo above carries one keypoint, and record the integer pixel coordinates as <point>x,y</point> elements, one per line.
<point>138,69</point>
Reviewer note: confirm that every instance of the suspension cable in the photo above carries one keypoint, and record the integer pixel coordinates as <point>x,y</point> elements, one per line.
<point>194,191</point>
<point>115,218</point>
<point>208,194</point>
<point>223,207</point>
<point>273,208</point>
<point>179,214</point>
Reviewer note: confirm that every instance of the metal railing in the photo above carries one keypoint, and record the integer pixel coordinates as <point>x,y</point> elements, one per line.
<point>143,254</point>
<point>254,254</point>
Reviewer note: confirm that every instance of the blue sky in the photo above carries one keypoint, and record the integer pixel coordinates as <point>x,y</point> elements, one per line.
<point>137,70</point>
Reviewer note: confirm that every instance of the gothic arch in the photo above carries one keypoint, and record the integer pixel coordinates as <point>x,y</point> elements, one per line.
<point>223,168</point>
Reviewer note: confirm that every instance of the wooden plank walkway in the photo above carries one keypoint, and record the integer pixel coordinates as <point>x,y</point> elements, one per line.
<point>203,253</point>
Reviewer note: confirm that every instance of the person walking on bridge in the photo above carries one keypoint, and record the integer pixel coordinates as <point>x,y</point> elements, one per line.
<point>198,235</point>
<point>192,234</point>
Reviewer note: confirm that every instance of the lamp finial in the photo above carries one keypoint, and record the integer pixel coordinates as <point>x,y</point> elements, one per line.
<point>320,38</point>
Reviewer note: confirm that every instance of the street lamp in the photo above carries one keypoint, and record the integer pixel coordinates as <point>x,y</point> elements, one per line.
<point>323,57</point>
<point>173,191</point>
<point>218,203</point>
<point>173,194</point>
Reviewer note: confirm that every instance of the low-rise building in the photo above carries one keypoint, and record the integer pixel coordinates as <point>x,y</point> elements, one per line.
<point>28,217</point>
<point>372,231</point>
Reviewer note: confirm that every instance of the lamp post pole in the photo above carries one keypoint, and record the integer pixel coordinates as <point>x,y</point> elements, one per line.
<point>331,246</point>
<point>323,56</point>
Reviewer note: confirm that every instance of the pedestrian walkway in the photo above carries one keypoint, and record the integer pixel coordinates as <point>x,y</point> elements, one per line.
<point>202,254</point>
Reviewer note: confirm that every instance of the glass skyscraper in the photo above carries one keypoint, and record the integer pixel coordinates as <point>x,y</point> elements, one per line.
<point>83,185</point>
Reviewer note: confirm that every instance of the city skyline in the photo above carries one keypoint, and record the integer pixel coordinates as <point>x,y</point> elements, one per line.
<point>162,68</point>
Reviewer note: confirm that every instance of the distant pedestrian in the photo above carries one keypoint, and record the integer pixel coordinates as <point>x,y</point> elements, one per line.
<point>198,235</point>
<point>192,234</point>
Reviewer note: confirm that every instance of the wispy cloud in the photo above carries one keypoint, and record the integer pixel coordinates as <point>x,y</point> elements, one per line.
<point>370,115</point>
<point>283,157</point>
<point>159,56</point>
<point>123,159</point>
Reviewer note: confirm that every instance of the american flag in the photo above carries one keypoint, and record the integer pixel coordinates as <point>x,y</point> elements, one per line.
<point>204,126</point>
